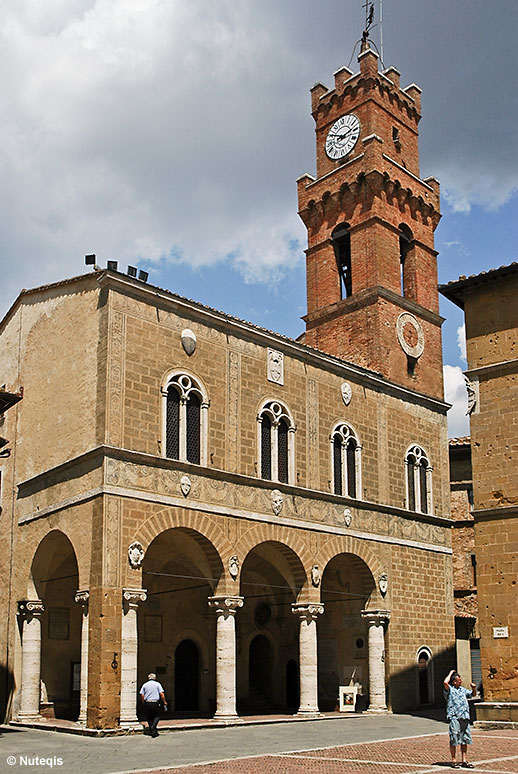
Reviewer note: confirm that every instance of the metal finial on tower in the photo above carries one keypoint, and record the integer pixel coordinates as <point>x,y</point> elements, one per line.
<point>369,18</point>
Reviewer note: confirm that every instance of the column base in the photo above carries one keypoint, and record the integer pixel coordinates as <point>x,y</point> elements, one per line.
<point>29,717</point>
<point>378,711</point>
<point>224,718</point>
<point>308,713</point>
<point>130,724</point>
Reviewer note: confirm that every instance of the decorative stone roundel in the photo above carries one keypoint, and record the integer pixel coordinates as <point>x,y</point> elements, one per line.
<point>135,555</point>
<point>410,334</point>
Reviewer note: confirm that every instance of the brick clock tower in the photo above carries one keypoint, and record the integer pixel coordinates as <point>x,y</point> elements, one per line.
<point>372,293</point>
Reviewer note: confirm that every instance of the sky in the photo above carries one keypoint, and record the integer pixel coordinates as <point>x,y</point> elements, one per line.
<point>169,135</point>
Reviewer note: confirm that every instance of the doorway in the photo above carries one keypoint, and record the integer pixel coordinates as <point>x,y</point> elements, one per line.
<point>187,677</point>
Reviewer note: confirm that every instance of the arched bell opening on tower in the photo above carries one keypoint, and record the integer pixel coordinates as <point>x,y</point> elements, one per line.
<point>405,261</point>
<point>341,238</point>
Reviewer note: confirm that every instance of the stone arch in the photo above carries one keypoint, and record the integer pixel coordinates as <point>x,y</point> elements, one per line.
<point>347,544</point>
<point>45,556</point>
<point>200,523</point>
<point>292,546</point>
<point>40,560</point>
<point>54,579</point>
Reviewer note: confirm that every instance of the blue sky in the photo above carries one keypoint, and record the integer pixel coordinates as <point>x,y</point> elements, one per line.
<point>169,135</point>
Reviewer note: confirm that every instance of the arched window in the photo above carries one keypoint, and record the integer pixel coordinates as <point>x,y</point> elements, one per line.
<point>276,443</point>
<point>405,245</point>
<point>341,237</point>
<point>185,415</point>
<point>418,480</point>
<point>346,461</point>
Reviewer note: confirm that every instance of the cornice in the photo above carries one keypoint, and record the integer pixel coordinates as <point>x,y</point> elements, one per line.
<point>101,453</point>
<point>367,297</point>
<point>503,367</point>
<point>314,211</point>
<point>368,83</point>
<point>499,512</point>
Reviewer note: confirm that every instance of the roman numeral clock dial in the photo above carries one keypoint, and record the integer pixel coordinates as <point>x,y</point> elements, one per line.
<point>342,136</point>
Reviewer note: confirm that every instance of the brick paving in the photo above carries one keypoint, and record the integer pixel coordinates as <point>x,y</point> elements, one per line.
<point>494,752</point>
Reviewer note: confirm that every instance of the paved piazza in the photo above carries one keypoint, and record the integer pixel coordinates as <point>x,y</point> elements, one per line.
<point>391,744</point>
<point>495,752</point>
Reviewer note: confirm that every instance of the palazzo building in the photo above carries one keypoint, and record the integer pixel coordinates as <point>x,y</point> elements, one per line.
<point>491,315</point>
<point>259,520</point>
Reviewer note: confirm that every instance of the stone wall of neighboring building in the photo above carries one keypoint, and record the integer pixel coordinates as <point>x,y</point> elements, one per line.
<point>489,303</point>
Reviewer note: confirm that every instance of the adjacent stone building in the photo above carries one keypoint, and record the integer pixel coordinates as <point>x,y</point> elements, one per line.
<point>258,520</point>
<point>491,313</point>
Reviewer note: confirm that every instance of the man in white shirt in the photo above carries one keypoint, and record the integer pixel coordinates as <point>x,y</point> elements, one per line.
<point>150,694</point>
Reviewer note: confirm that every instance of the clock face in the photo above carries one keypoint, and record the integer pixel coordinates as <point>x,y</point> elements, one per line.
<point>342,136</point>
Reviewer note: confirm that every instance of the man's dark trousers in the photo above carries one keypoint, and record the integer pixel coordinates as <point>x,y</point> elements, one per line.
<point>152,715</point>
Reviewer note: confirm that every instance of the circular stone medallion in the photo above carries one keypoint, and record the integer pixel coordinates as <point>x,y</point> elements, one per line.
<point>410,334</point>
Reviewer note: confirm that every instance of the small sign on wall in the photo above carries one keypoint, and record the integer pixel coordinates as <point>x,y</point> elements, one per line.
<point>500,632</point>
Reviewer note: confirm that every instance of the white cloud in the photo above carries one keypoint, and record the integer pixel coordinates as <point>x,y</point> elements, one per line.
<point>455,393</point>
<point>461,341</point>
<point>159,129</point>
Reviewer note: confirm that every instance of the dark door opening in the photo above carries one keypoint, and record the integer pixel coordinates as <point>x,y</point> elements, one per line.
<point>187,677</point>
<point>260,675</point>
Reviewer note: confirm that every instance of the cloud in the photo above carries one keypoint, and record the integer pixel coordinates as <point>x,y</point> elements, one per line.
<point>461,341</point>
<point>160,130</point>
<point>455,393</point>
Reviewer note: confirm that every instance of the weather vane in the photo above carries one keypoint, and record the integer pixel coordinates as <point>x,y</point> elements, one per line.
<point>365,43</point>
<point>369,18</point>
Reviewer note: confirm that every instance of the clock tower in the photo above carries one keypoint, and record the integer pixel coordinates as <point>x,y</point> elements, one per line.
<point>372,295</point>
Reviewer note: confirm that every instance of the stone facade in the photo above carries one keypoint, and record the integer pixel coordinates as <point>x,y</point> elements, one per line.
<point>489,303</point>
<point>184,500</point>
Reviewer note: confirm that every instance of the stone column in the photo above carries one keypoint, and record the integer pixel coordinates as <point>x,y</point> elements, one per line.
<point>129,652</point>
<point>82,598</point>
<point>30,611</point>
<point>308,655</point>
<point>377,694</point>
<point>225,608</point>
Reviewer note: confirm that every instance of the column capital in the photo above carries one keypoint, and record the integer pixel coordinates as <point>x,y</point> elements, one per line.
<point>131,597</point>
<point>227,605</point>
<point>30,607</point>
<point>376,616</point>
<point>307,609</point>
<point>82,597</point>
